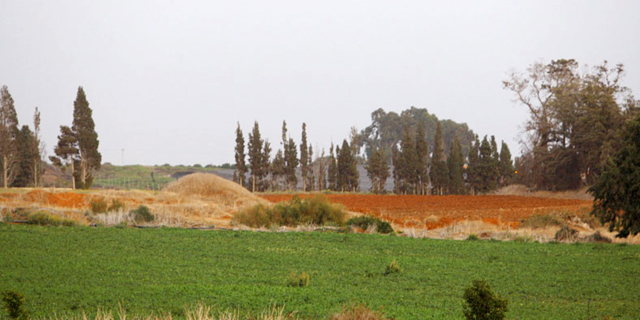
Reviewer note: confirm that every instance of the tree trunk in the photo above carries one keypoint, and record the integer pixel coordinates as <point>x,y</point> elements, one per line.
<point>73,176</point>
<point>4,171</point>
<point>254,183</point>
<point>35,175</point>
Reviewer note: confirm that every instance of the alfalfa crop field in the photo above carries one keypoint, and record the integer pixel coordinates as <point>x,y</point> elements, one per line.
<point>104,263</point>
<point>69,270</point>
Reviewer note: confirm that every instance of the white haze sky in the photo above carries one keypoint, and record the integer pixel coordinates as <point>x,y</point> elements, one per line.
<point>169,80</point>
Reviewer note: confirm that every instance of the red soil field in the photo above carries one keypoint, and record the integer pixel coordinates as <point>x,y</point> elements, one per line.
<point>432,212</point>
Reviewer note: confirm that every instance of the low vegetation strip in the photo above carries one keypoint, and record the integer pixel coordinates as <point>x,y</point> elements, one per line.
<point>316,210</point>
<point>70,270</point>
<point>430,212</point>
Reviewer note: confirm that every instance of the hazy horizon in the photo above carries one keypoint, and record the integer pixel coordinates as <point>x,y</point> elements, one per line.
<point>168,81</point>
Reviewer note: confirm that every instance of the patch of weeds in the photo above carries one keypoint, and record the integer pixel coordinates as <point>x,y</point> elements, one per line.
<point>115,206</point>
<point>42,218</point>
<point>540,221</point>
<point>566,233</point>
<point>98,206</point>
<point>298,280</point>
<point>365,222</point>
<point>142,214</point>
<point>358,312</point>
<point>14,305</point>
<point>472,237</point>
<point>392,268</point>
<point>523,239</point>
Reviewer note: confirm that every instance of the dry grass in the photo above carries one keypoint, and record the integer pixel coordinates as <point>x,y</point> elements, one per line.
<point>358,312</point>
<point>198,312</point>
<point>197,200</point>
<point>522,190</point>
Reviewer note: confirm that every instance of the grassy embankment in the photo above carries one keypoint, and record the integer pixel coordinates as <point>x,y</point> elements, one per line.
<point>67,270</point>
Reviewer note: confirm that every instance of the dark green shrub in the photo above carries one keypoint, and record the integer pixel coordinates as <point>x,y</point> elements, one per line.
<point>392,268</point>
<point>482,303</point>
<point>115,206</point>
<point>14,305</point>
<point>98,206</point>
<point>142,214</point>
<point>298,280</point>
<point>364,222</point>
<point>473,237</point>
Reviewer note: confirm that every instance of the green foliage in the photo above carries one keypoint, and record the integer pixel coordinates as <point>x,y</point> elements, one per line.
<point>392,268</point>
<point>315,211</point>
<point>455,162</point>
<point>482,303</point>
<point>241,167</point>
<point>364,222</point>
<point>42,218</point>
<point>439,172</point>
<point>98,206</point>
<point>617,192</point>
<point>115,206</point>
<point>142,214</point>
<point>177,267</point>
<point>27,151</point>
<point>14,305</point>
<point>377,170</point>
<point>9,133</point>
<point>298,280</point>
<point>473,237</point>
<point>347,174</point>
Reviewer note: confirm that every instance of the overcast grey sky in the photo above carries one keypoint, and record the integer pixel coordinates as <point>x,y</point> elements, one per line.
<point>169,80</point>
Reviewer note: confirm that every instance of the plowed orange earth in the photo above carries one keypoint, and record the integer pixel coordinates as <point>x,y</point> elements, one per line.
<point>432,212</point>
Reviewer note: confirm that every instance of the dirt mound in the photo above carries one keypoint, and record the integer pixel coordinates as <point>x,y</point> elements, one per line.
<point>56,199</point>
<point>212,186</point>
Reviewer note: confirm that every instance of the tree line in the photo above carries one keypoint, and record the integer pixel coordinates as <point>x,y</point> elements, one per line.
<point>255,170</point>
<point>22,151</point>
<point>416,167</point>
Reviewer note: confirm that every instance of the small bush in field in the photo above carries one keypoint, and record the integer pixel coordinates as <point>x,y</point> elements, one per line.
<point>42,218</point>
<point>566,233</point>
<point>392,268</point>
<point>115,206</point>
<point>482,303</point>
<point>98,206</point>
<point>473,237</point>
<point>14,305</point>
<point>298,280</point>
<point>142,214</point>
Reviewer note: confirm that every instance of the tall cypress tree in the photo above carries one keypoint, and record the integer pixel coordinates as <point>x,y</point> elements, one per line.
<point>266,166</point>
<point>348,177</point>
<point>422,161</point>
<point>277,169</point>
<point>321,180</point>
<point>332,174</point>
<point>84,129</point>
<point>310,175</point>
<point>291,160</point>
<point>409,163</point>
<point>486,167</point>
<point>507,170</point>
<point>304,157</point>
<point>454,163</point>
<point>473,171</point>
<point>8,138</point>
<point>395,160</point>
<point>241,166</point>
<point>439,171</point>
<point>377,170</point>
<point>255,156</point>
<point>25,159</point>
<point>37,152</point>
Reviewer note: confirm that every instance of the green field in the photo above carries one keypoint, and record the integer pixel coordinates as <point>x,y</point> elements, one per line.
<point>68,270</point>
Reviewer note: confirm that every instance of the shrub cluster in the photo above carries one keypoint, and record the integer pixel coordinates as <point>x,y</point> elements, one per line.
<point>392,268</point>
<point>364,222</point>
<point>98,206</point>
<point>45,219</point>
<point>315,211</point>
<point>539,221</point>
<point>142,214</point>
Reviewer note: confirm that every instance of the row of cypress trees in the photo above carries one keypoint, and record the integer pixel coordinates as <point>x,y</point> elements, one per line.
<point>255,170</point>
<point>418,171</point>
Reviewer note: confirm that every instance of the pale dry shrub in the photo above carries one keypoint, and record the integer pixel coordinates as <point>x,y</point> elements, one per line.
<point>358,312</point>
